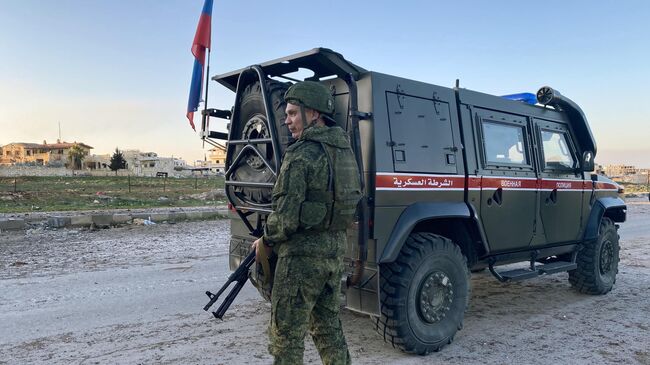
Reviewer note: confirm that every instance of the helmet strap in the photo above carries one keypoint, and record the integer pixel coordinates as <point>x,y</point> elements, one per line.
<point>303,116</point>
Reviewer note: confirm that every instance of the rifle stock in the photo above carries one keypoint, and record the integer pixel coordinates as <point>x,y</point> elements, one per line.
<point>239,276</point>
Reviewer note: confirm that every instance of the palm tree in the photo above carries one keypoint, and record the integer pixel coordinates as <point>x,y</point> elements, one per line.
<point>76,155</point>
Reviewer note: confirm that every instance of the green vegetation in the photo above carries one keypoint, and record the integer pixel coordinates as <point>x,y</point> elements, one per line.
<point>117,161</point>
<point>76,155</point>
<point>634,189</point>
<point>39,193</point>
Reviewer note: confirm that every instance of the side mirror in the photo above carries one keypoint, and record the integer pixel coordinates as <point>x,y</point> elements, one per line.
<point>588,164</point>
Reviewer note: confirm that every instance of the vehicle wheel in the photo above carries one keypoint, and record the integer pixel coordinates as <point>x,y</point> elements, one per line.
<point>252,123</point>
<point>597,261</point>
<point>424,294</point>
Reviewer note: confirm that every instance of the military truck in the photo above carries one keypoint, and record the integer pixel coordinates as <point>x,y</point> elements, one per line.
<point>454,181</point>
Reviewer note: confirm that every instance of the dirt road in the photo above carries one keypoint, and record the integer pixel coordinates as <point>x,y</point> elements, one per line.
<point>134,295</point>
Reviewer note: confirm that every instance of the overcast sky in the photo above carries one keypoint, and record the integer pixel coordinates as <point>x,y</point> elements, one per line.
<point>116,73</point>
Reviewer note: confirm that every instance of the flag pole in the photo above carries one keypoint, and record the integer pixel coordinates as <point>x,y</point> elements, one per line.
<point>204,117</point>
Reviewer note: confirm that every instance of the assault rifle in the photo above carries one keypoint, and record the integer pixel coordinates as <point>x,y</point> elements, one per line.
<point>239,276</point>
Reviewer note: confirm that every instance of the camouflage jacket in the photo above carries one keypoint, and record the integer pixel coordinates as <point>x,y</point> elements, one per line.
<point>304,170</point>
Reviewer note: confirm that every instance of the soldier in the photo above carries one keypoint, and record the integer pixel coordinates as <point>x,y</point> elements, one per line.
<point>314,200</point>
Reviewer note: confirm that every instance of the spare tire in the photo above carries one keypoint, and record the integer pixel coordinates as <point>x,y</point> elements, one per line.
<point>252,123</point>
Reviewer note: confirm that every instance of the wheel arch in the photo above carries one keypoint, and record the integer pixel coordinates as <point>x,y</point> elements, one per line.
<point>453,220</point>
<point>613,208</point>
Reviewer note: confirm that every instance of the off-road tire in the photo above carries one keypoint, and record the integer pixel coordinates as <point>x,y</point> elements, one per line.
<point>251,168</point>
<point>403,323</point>
<point>597,261</point>
<point>252,103</point>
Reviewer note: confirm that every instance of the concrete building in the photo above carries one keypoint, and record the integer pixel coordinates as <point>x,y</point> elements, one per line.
<point>150,164</point>
<point>134,157</point>
<point>39,154</point>
<point>137,162</point>
<point>628,174</point>
<point>619,170</point>
<point>214,163</point>
<point>641,177</point>
<point>217,158</point>
<point>98,162</point>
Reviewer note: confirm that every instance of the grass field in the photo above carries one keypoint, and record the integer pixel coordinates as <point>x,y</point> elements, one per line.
<point>37,193</point>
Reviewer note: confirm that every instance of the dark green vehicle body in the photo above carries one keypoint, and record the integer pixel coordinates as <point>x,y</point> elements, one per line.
<point>504,180</point>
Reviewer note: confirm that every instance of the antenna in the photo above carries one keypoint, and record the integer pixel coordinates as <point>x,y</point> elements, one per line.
<point>59,131</point>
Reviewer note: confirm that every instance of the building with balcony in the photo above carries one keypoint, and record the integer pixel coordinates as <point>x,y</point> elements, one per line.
<point>217,158</point>
<point>52,154</point>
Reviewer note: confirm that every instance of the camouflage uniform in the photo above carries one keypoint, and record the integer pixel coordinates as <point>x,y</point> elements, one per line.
<point>308,274</point>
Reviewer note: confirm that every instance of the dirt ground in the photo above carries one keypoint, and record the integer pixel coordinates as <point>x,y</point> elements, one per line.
<point>134,295</point>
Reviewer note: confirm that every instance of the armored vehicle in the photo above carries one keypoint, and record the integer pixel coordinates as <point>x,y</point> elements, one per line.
<point>454,181</point>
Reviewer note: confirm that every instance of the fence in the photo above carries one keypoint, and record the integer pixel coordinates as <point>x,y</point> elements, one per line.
<point>16,171</point>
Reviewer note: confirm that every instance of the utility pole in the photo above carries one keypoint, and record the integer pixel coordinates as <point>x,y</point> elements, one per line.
<point>59,131</point>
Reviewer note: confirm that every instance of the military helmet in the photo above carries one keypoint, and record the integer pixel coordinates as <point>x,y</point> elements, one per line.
<point>311,94</point>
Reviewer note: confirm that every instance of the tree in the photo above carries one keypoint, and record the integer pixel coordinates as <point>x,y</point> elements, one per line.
<point>117,161</point>
<point>76,155</point>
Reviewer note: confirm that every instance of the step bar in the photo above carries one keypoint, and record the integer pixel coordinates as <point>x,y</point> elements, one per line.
<point>535,270</point>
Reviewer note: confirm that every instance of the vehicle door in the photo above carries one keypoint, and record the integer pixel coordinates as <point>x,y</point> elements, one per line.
<point>561,190</point>
<point>508,181</point>
<point>421,134</point>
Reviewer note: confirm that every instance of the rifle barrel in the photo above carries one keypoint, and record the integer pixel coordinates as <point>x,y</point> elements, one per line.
<point>240,276</point>
<point>229,299</point>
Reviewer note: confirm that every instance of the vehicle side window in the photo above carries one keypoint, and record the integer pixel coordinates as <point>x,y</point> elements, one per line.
<point>504,143</point>
<point>557,154</point>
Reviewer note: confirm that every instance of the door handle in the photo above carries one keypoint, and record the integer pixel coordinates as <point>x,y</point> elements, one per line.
<point>497,197</point>
<point>552,197</point>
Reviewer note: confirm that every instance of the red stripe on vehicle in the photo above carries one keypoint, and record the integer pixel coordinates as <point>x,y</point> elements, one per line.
<point>549,184</point>
<point>428,182</point>
<point>474,182</point>
<point>392,181</point>
<point>508,183</point>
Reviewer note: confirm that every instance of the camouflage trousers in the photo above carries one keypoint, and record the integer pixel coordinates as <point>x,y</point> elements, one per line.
<point>305,297</point>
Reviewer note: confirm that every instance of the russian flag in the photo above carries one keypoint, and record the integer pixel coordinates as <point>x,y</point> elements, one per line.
<point>200,44</point>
